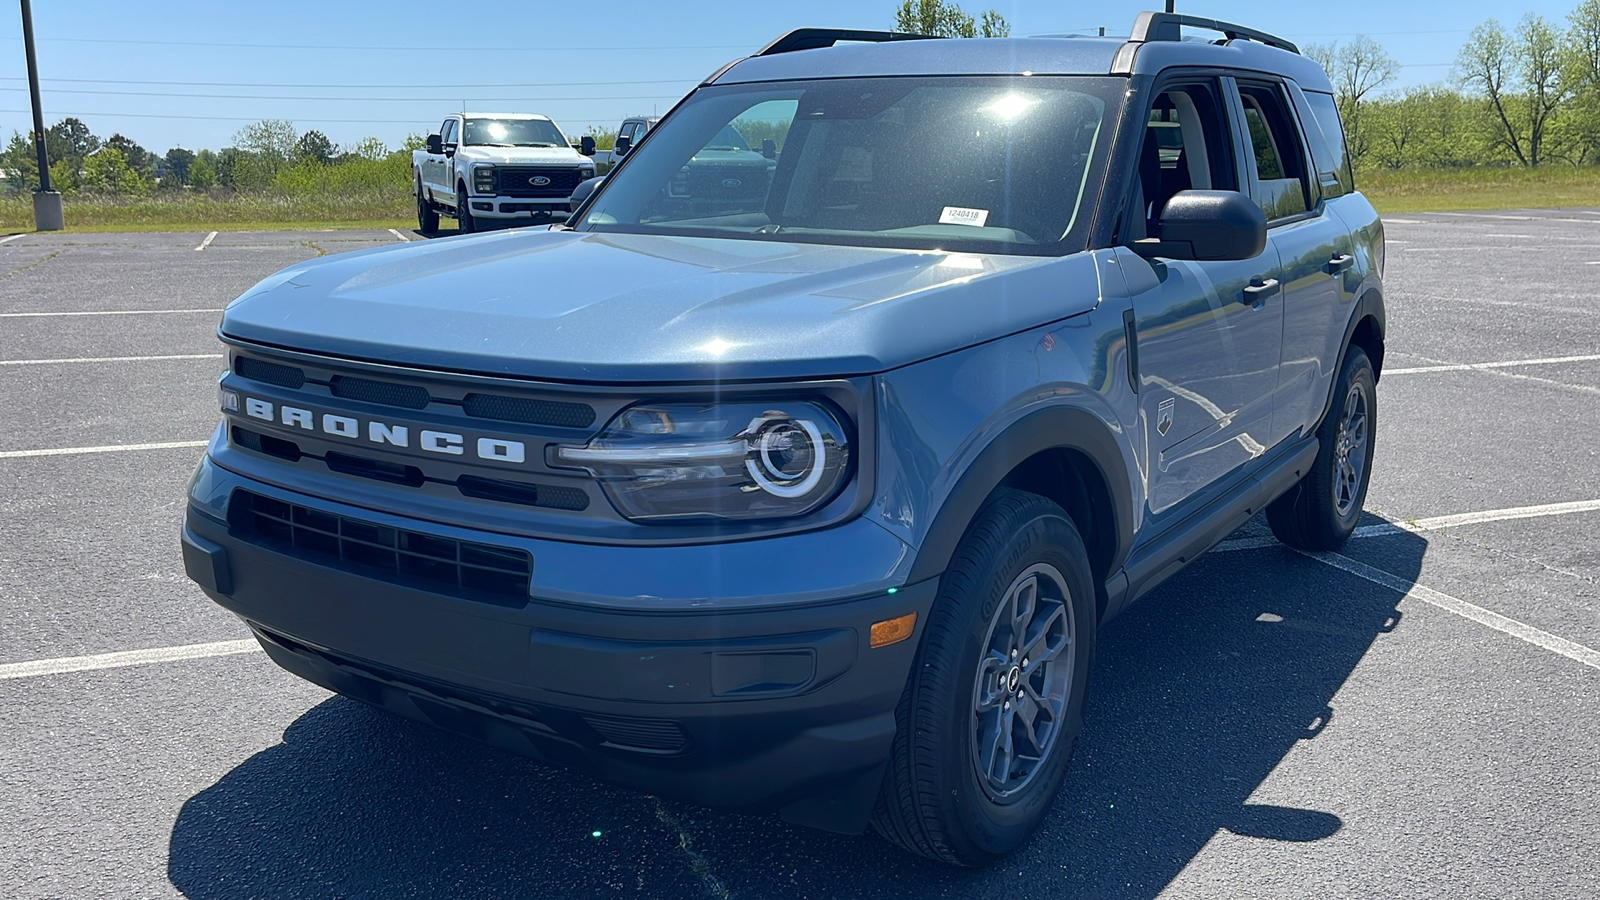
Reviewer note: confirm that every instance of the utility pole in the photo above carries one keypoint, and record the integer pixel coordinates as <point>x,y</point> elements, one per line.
<point>46,203</point>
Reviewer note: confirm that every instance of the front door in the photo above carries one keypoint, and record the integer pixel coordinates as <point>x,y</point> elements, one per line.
<point>1209,333</point>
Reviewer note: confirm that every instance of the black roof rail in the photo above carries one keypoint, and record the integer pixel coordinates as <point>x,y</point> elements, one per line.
<point>817,38</point>
<point>1155,26</point>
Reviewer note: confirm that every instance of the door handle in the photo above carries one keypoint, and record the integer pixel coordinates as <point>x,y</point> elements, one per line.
<point>1340,263</point>
<point>1259,290</point>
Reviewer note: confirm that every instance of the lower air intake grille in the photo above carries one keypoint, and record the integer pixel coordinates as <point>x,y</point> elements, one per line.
<point>474,571</point>
<point>406,395</point>
<point>532,412</point>
<point>655,735</point>
<point>269,373</point>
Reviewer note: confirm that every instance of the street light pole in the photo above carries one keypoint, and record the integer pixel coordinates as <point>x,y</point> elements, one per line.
<point>46,203</point>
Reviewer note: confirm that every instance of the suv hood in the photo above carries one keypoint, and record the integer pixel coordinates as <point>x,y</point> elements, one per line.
<point>534,155</point>
<point>598,307</point>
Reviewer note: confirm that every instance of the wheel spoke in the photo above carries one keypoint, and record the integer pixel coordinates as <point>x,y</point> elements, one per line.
<point>991,680</point>
<point>1022,607</point>
<point>1038,650</point>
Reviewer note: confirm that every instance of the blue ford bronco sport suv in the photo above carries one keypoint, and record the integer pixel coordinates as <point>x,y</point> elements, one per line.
<point>809,494</point>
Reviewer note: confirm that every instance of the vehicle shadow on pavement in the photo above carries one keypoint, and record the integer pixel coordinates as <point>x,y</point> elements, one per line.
<point>1200,692</point>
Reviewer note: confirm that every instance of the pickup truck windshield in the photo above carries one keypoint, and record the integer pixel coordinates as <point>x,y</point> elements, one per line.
<point>989,164</point>
<point>512,133</point>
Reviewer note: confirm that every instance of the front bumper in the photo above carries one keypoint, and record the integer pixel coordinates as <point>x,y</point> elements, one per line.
<point>773,708</point>
<point>520,208</point>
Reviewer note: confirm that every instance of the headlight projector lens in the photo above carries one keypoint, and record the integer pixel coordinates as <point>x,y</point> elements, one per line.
<point>786,461</point>
<point>682,462</point>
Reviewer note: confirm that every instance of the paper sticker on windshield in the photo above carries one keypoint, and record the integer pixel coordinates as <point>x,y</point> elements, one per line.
<point>960,215</point>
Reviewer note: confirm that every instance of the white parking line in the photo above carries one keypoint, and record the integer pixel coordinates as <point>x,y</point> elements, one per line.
<point>36,668</point>
<point>396,233</point>
<point>1522,631</point>
<point>7,240</point>
<point>106,312</point>
<point>105,359</point>
<point>1468,367</point>
<point>207,242</point>
<point>109,448</point>
<point>1434,523</point>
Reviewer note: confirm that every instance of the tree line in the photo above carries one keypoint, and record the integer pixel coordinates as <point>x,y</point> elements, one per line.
<point>264,155</point>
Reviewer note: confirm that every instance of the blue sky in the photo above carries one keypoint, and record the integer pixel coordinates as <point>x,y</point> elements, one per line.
<point>353,68</point>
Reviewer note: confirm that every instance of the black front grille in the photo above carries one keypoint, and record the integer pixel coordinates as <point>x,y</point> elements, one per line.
<point>387,393</point>
<point>269,373</point>
<point>472,570</point>
<point>550,496</point>
<point>517,181</point>
<point>529,411</point>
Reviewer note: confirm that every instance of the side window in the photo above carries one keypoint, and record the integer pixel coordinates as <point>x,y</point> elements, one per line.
<point>1326,112</point>
<point>1281,173</point>
<point>1186,147</point>
<point>448,135</point>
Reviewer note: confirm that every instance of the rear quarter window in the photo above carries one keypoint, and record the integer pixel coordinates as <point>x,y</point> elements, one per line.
<point>1326,112</point>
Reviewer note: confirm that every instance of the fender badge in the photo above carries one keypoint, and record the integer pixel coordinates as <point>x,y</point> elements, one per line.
<point>1164,416</point>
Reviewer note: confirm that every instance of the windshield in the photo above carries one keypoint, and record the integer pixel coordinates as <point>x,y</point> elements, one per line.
<point>512,133</point>
<point>997,163</point>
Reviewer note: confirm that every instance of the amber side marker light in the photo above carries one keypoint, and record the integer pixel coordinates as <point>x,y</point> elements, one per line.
<point>891,631</point>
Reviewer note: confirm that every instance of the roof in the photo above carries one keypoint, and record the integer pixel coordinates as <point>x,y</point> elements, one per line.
<point>499,115</point>
<point>1015,56</point>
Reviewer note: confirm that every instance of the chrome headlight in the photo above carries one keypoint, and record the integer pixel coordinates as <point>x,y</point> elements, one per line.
<point>483,179</point>
<point>723,461</point>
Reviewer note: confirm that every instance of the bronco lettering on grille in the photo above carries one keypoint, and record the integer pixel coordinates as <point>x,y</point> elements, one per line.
<point>449,443</point>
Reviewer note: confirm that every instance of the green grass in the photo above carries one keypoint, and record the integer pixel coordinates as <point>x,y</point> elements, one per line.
<point>1450,190</point>
<point>370,205</point>
<point>220,212</point>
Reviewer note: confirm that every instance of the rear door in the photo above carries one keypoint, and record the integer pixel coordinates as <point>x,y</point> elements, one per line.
<point>1209,334</point>
<point>1314,248</point>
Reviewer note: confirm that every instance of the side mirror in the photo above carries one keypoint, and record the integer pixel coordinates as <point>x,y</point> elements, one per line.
<point>1208,226</point>
<point>583,190</point>
<point>434,145</point>
<point>586,145</point>
<point>769,148</point>
<point>622,146</point>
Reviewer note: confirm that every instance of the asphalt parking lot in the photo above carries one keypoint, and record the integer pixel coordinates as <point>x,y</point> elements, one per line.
<point>1415,716</point>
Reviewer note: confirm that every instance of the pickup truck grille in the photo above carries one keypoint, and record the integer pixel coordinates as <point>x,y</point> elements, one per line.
<point>517,181</point>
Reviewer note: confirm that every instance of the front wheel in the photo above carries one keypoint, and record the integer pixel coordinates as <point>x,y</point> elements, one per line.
<point>427,216</point>
<point>1321,511</point>
<point>994,705</point>
<point>464,222</point>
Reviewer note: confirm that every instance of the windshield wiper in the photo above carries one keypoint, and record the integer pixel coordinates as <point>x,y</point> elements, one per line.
<point>491,144</point>
<point>535,145</point>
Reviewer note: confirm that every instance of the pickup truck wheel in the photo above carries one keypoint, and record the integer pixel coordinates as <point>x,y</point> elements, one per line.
<point>994,704</point>
<point>427,216</point>
<point>1321,511</point>
<point>464,222</point>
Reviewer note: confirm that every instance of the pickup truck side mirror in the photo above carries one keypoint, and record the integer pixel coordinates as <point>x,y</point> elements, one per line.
<point>1207,226</point>
<point>769,148</point>
<point>622,146</point>
<point>450,149</point>
<point>586,145</point>
<point>434,145</point>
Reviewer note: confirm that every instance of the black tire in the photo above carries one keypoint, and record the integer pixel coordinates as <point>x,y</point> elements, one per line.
<point>934,801</point>
<point>1313,515</point>
<point>464,223</point>
<point>427,216</point>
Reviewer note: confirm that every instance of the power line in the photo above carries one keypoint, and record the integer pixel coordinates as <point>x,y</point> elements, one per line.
<point>232,45</point>
<point>451,99</point>
<point>88,115</point>
<point>442,87</point>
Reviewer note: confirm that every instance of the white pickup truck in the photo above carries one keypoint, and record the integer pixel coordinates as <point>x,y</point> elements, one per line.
<point>502,168</point>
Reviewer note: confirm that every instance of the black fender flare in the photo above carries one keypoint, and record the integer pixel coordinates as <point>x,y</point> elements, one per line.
<point>1369,303</point>
<point>1069,428</point>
